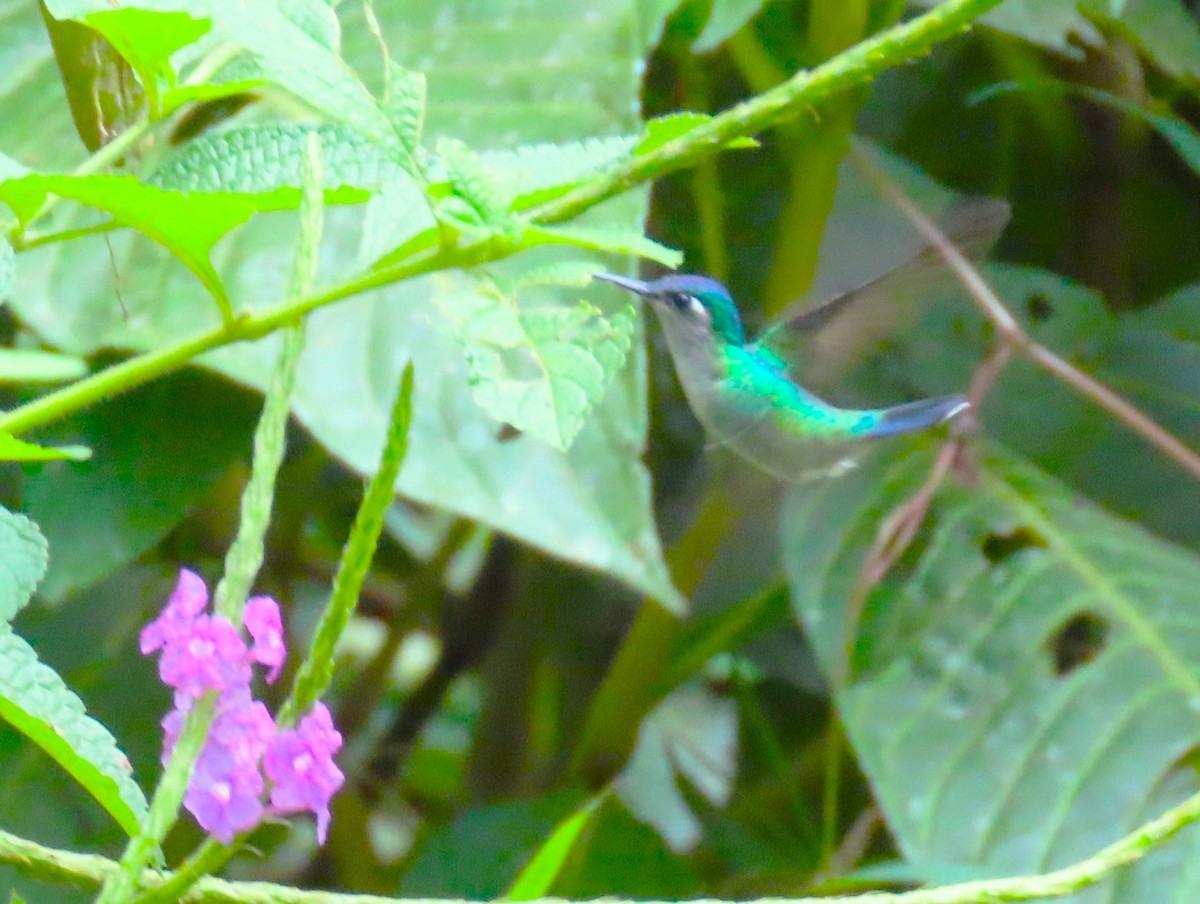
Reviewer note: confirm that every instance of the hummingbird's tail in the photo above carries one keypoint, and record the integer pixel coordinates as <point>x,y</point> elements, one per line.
<point>919,415</point>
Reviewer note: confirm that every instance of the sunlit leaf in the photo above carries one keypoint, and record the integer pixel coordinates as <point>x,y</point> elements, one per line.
<point>590,505</point>
<point>187,224</point>
<point>667,128</point>
<point>537,878</point>
<point>13,449</point>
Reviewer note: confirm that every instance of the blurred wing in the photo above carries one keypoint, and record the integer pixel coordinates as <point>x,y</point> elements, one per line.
<point>818,344</point>
<point>796,436</point>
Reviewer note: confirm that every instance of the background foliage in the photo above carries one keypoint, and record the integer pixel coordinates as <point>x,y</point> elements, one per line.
<point>1021,689</point>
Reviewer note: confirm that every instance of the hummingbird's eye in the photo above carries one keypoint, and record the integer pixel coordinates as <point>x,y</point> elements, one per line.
<point>682,301</point>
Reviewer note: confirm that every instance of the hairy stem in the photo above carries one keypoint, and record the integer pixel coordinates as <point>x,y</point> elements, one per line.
<point>89,871</point>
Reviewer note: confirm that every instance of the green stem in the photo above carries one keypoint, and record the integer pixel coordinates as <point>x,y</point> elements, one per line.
<point>88,871</point>
<point>122,377</point>
<point>121,882</point>
<point>316,671</point>
<point>805,90</point>
<point>245,553</point>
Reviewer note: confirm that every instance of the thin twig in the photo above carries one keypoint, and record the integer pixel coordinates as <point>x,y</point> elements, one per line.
<point>995,311</point>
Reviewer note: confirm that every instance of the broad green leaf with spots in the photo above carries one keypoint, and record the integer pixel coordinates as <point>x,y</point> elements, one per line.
<point>1025,689</point>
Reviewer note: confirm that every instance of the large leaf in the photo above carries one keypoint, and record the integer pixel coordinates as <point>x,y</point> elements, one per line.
<point>590,505</point>
<point>36,701</point>
<point>1024,688</point>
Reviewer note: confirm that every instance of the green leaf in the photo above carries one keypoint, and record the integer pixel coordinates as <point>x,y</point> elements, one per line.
<point>1162,29</point>
<point>537,878</point>
<point>1024,688</point>
<point>103,94</point>
<point>663,129</point>
<point>23,549</point>
<point>613,240</point>
<point>31,365</point>
<point>176,97</point>
<point>36,702</point>
<point>480,853</point>
<point>34,699</point>
<point>294,44</point>
<point>13,449</point>
<point>541,368</point>
<point>186,224</point>
<point>262,162</point>
<point>537,172</point>
<point>1134,354</point>
<point>147,40</point>
<point>405,110</point>
<point>727,18</point>
<point>38,122</point>
<point>471,181</point>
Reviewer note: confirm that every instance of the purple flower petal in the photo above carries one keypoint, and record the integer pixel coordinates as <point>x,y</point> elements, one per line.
<point>300,766</point>
<point>187,601</point>
<point>243,727</point>
<point>223,794</point>
<point>263,621</point>
<point>211,657</point>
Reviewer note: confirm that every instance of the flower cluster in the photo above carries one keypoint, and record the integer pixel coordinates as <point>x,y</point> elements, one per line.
<point>245,750</point>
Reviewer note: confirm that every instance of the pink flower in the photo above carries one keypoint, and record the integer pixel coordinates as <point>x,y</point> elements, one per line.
<point>188,600</point>
<point>301,768</point>
<point>265,625</point>
<point>224,795</point>
<point>202,653</point>
<point>243,727</point>
<point>211,656</point>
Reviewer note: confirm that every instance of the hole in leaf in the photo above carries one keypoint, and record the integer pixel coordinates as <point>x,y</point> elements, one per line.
<point>1078,641</point>
<point>998,547</point>
<point>1039,307</point>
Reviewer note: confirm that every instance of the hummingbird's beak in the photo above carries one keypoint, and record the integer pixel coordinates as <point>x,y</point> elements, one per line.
<point>636,286</point>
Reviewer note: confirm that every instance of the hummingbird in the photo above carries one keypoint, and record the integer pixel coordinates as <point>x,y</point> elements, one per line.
<point>748,396</point>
